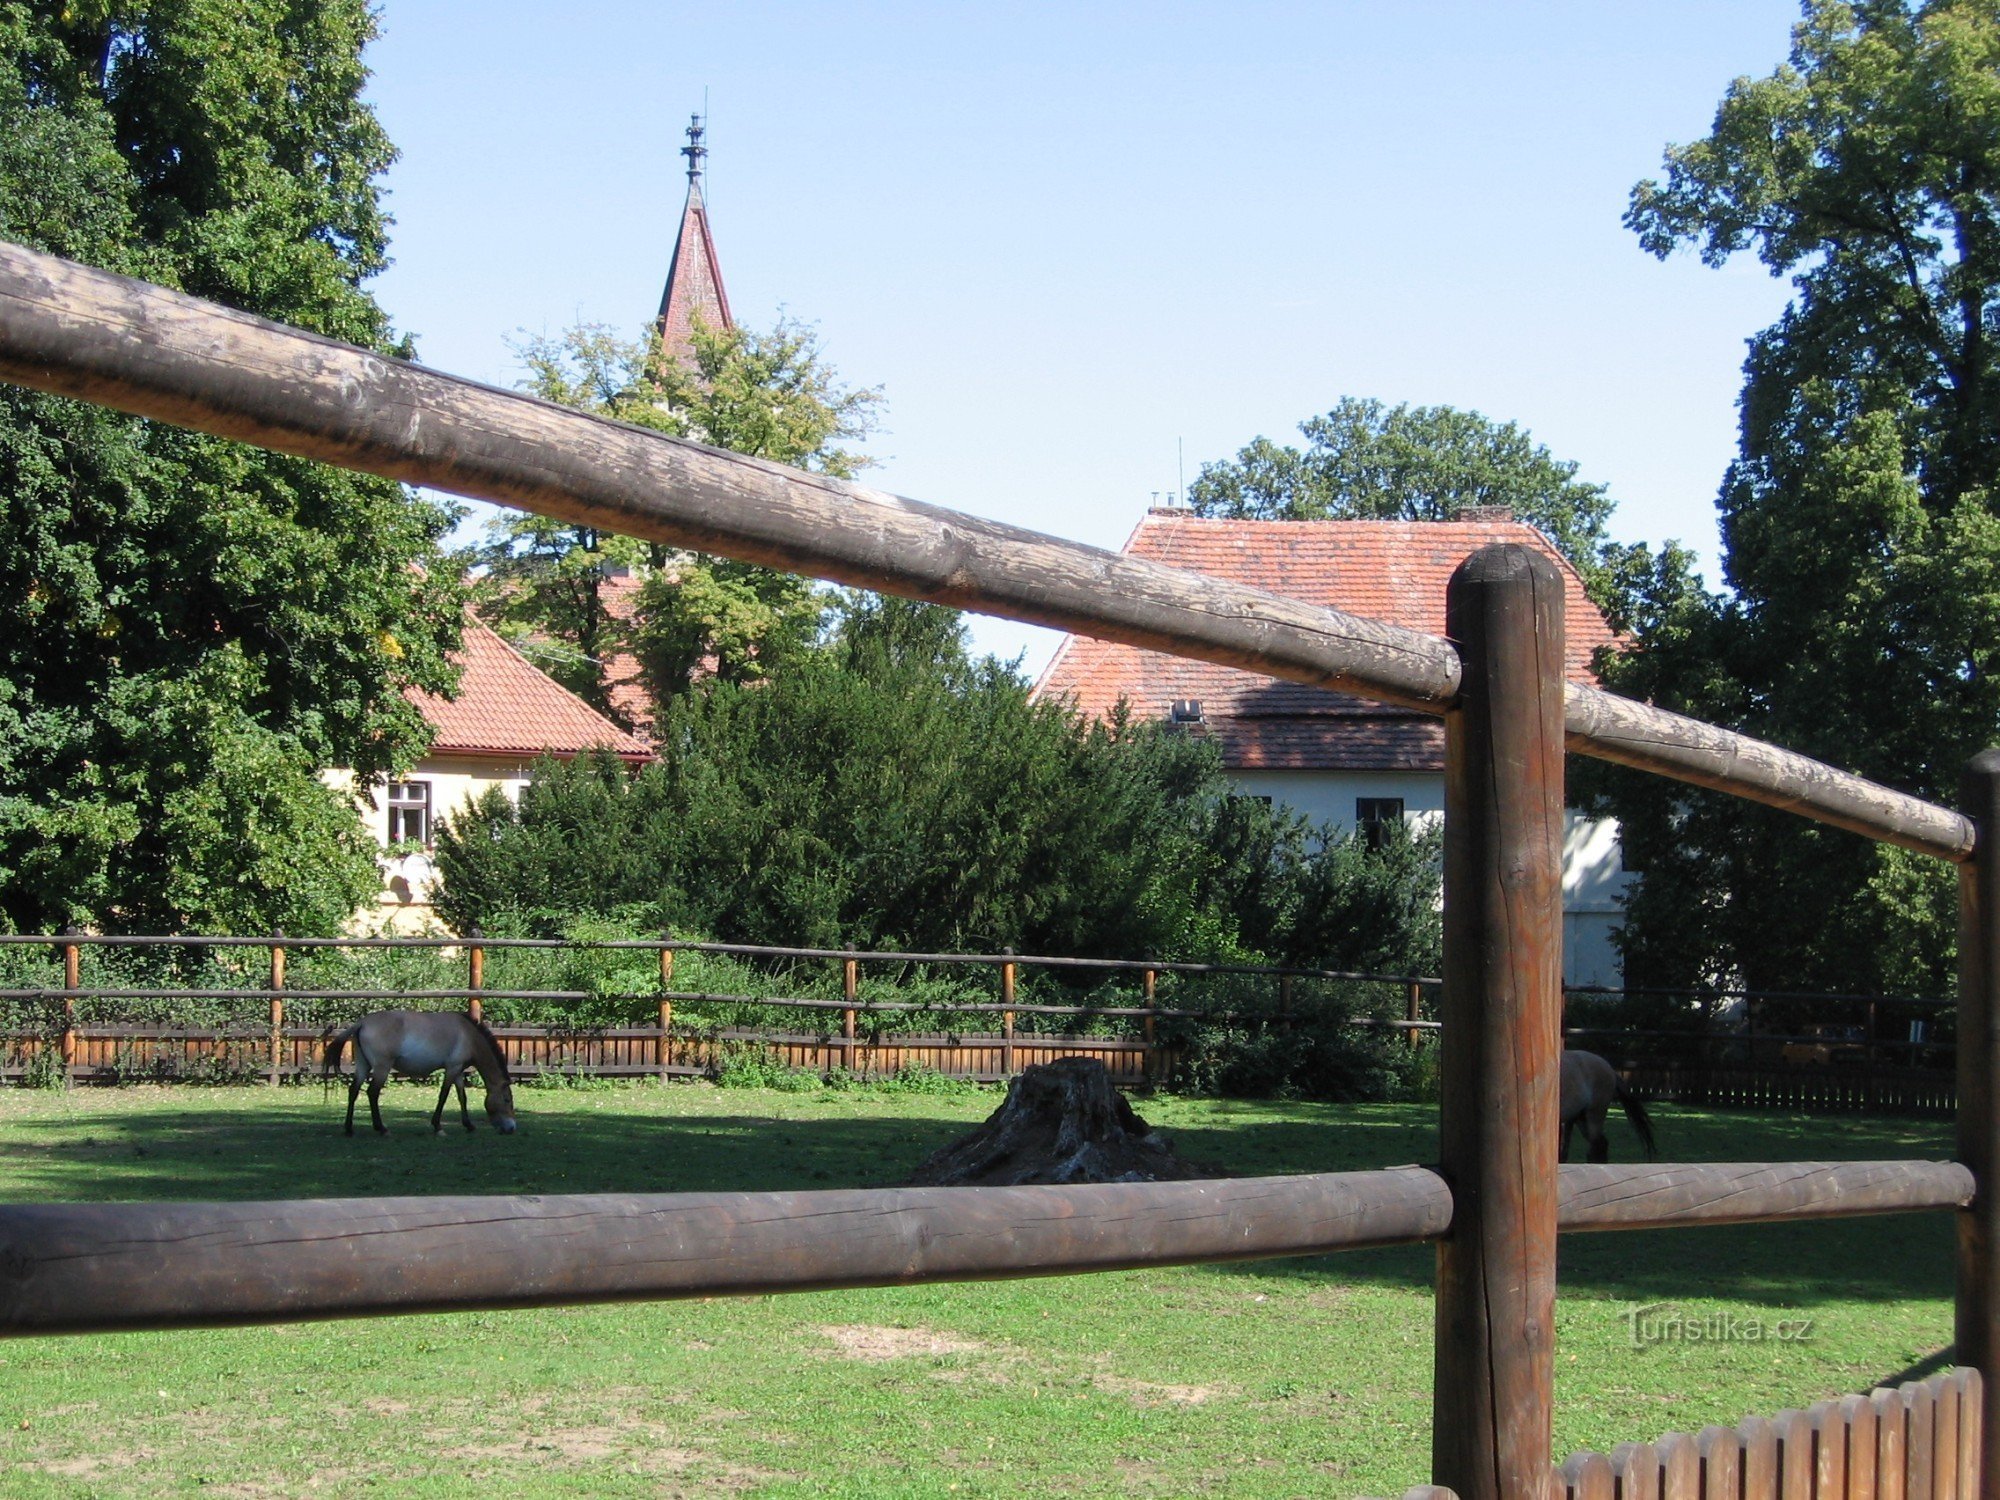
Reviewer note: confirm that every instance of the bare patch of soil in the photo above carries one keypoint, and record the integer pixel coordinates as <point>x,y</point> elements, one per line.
<point>873,1344</point>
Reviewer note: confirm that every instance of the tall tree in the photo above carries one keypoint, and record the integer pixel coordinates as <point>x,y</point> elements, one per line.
<point>1370,462</point>
<point>1861,519</point>
<point>198,628</point>
<point>767,394</point>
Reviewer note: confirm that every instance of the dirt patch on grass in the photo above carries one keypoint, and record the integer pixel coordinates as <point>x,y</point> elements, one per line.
<point>636,1447</point>
<point>874,1344</point>
<point>84,1465</point>
<point>1152,1393</point>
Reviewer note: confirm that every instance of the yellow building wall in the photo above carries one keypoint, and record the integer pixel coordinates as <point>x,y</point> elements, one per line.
<point>403,908</point>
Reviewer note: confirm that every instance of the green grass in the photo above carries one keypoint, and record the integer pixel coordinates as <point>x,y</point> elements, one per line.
<point>1280,1379</point>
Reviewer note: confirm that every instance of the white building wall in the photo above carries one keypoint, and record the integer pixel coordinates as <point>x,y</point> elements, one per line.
<point>1594,876</point>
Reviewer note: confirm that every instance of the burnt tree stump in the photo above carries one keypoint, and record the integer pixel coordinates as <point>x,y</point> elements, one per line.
<point>1062,1122</point>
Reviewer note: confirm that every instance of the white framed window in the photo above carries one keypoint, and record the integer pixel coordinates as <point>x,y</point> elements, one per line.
<point>410,812</point>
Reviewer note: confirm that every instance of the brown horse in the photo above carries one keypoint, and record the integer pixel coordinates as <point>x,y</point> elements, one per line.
<point>1590,1086</point>
<point>416,1044</point>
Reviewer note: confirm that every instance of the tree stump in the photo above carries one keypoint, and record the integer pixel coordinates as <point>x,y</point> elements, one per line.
<point>1062,1122</point>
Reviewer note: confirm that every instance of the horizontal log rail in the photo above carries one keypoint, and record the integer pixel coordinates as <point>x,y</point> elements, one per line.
<point>72,1268</point>
<point>93,1267</point>
<point>1659,1195</point>
<point>76,331</point>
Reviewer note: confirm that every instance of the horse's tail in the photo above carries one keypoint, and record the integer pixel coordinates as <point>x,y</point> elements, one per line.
<point>1636,1113</point>
<point>337,1044</point>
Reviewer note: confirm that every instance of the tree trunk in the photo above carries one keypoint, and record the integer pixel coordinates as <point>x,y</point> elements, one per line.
<point>1062,1122</point>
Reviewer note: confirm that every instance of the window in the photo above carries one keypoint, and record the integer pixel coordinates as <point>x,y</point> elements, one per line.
<point>1374,816</point>
<point>410,812</point>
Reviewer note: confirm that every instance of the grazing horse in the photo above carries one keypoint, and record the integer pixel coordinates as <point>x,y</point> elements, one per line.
<point>416,1044</point>
<point>1590,1086</point>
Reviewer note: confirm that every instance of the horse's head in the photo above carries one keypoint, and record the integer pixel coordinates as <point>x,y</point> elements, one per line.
<point>500,1107</point>
<point>493,1071</point>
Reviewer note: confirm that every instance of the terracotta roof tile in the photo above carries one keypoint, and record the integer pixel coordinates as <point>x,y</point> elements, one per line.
<point>1385,570</point>
<point>505,706</point>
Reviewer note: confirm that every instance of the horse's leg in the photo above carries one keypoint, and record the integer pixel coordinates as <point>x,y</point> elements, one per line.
<point>1593,1128</point>
<point>444,1096</point>
<point>1568,1130</point>
<point>464,1114</point>
<point>376,1078</point>
<point>353,1093</point>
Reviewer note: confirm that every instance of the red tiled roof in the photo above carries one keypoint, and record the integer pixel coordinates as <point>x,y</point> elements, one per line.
<point>505,706</point>
<point>1385,570</point>
<point>694,282</point>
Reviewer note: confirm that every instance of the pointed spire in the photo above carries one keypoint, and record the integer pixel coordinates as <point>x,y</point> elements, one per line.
<point>694,281</point>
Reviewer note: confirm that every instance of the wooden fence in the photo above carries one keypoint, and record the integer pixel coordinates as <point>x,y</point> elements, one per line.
<point>1918,1441</point>
<point>1496,1200</point>
<point>1817,1058</point>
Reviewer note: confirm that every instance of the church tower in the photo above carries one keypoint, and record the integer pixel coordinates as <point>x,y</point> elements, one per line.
<point>694,281</point>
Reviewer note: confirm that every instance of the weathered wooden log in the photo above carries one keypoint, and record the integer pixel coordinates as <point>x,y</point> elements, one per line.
<point>82,1267</point>
<point>1657,1195</point>
<point>1492,1409</point>
<point>1977,1313</point>
<point>81,332</point>
<point>1608,727</point>
<point>68,1268</point>
<point>123,343</point>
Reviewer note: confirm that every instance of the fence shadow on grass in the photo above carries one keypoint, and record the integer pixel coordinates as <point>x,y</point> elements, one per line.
<point>289,1145</point>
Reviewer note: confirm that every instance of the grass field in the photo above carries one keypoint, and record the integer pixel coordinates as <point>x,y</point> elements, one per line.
<point>1287,1378</point>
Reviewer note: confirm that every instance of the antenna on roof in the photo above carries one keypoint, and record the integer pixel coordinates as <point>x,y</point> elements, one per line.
<point>694,150</point>
<point>1180,459</point>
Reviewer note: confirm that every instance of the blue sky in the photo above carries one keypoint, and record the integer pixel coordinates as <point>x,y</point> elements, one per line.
<point>1065,239</point>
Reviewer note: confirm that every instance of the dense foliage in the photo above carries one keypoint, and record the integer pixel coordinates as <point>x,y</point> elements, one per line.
<point>887,791</point>
<point>1862,543</point>
<point>196,628</point>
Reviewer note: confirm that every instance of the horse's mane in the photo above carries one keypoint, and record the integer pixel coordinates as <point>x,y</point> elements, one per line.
<point>493,1042</point>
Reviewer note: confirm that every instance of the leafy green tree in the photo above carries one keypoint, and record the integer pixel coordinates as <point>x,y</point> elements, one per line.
<point>1859,522</point>
<point>890,791</point>
<point>1367,461</point>
<point>199,627</point>
<point>766,394</point>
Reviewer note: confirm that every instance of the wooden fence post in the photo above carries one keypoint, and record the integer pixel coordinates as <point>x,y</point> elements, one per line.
<point>1491,1425</point>
<point>475,966</point>
<point>663,1048</point>
<point>277,1003</point>
<point>1978,1305</point>
<point>1868,1056</point>
<point>850,988</point>
<point>1007,971</point>
<point>72,980</point>
<point>1152,1004</point>
<point>1413,1011</point>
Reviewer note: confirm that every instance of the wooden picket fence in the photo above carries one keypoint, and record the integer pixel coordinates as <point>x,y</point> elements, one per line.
<point>1916,1441</point>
